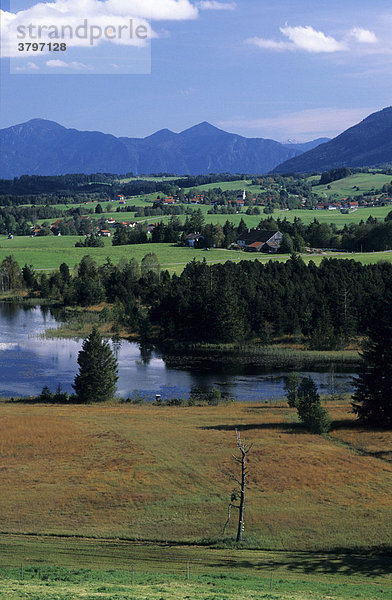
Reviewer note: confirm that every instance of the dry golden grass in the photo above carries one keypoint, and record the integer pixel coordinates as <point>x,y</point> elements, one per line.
<point>374,443</point>
<point>156,473</point>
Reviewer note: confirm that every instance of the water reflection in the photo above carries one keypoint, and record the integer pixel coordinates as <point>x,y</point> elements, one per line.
<point>28,362</point>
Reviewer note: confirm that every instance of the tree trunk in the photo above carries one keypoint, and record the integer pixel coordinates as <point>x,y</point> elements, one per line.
<point>242,498</point>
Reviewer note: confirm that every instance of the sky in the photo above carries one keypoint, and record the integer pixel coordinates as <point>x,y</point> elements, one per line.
<point>284,70</point>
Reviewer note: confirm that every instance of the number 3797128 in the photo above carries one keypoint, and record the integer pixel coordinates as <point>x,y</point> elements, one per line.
<point>42,46</point>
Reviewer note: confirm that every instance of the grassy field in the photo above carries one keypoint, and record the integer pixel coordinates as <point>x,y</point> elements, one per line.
<point>307,216</point>
<point>150,473</point>
<point>335,216</point>
<point>84,488</point>
<point>122,571</point>
<point>366,182</point>
<point>147,178</point>
<point>48,252</point>
<point>225,186</point>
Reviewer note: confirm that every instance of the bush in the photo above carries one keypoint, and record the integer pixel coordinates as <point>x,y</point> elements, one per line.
<point>316,419</point>
<point>291,383</point>
<point>200,397</point>
<point>58,397</point>
<point>176,402</point>
<point>305,398</point>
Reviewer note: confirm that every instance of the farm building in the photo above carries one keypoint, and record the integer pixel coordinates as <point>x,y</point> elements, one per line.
<point>193,238</point>
<point>261,240</point>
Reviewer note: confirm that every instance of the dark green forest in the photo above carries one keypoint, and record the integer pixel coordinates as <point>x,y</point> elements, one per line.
<point>326,305</point>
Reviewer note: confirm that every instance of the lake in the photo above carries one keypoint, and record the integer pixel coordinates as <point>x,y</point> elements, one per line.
<point>28,362</point>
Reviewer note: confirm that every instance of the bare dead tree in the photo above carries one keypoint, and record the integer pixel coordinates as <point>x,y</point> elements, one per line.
<point>238,494</point>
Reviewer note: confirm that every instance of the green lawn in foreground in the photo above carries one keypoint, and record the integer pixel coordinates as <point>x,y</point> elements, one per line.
<point>71,569</point>
<point>49,252</point>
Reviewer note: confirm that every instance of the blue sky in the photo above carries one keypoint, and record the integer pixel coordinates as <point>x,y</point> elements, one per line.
<point>282,70</point>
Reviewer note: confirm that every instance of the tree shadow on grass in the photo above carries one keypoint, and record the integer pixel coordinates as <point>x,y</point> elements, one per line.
<point>289,427</point>
<point>342,564</point>
<point>347,424</point>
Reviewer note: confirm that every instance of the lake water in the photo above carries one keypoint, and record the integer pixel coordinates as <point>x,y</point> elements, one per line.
<point>28,362</point>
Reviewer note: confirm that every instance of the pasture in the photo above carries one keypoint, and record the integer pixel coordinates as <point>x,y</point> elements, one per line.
<point>48,252</point>
<point>117,501</point>
<point>355,185</point>
<point>155,473</point>
<point>335,216</point>
<point>240,184</point>
<point>307,216</point>
<point>108,570</point>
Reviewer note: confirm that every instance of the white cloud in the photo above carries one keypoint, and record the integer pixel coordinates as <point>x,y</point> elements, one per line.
<point>364,36</point>
<point>214,5</point>
<point>301,38</point>
<point>308,39</point>
<point>303,125</point>
<point>157,10</point>
<point>61,64</point>
<point>269,44</point>
<point>30,66</point>
<point>66,15</point>
<point>311,40</point>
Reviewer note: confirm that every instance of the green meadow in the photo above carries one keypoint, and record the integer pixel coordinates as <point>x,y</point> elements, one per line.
<point>48,252</point>
<point>335,216</point>
<point>125,571</point>
<point>132,201</point>
<point>355,185</point>
<point>307,216</point>
<point>146,178</point>
<point>225,186</point>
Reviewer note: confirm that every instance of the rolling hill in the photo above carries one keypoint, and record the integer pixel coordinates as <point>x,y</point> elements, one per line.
<point>41,147</point>
<point>368,144</point>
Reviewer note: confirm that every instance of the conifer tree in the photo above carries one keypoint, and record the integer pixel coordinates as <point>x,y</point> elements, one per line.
<point>98,370</point>
<point>373,395</point>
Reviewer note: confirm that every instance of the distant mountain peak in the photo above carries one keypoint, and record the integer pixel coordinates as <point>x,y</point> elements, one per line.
<point>43,123</point>
<point>162,134</point>
<point>204,129</point>
<point>367,144</point>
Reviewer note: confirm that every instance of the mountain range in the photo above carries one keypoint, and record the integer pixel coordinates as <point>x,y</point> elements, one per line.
<point>368,144</point>
<point>41,147</point>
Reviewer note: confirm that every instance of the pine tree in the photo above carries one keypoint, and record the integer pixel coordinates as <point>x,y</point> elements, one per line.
<point>98,370</point>
<point>373,396</point>
<point>307,402</point>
